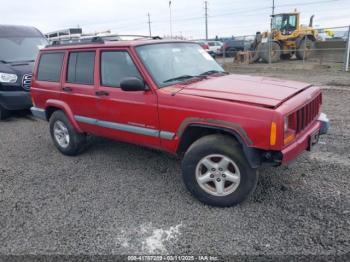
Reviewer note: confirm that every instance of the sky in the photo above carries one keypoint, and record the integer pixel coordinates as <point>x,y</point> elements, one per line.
<point>225,17</point>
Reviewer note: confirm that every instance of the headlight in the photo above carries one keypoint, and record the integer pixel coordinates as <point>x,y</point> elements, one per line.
<point>286,123</point>
<point>289,126</point>
<point>8,78</point>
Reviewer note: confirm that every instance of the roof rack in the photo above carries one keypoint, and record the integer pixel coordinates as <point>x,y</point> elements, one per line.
<point>98,39</point>
<point>80,41</point>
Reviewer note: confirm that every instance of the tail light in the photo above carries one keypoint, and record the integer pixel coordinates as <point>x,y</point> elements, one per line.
<point>205,46</point>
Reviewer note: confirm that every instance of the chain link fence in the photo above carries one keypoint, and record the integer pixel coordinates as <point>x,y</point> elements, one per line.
<point>331,46</point>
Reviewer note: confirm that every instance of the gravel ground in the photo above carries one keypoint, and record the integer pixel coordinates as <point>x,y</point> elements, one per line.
<point>118,198</point>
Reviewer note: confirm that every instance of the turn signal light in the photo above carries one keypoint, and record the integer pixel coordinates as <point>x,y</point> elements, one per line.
<point>273,134</point>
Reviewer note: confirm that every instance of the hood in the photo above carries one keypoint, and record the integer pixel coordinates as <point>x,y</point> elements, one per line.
<point>264,91</point>
<point>18,68</point>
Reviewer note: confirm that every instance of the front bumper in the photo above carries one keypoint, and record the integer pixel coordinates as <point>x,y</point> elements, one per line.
<point>15,100</point>
<point>323,119</point>
<point>320,127</point>
<point>38,112</point>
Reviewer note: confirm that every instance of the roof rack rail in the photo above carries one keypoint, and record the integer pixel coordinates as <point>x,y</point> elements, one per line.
<point>137,37</point>
<point>80,41</point>
<point>99,39</point>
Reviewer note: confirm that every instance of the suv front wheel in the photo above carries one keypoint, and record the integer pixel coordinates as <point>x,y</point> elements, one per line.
<point>3,113</point>
<point>216,171</point>
<point>66,139</point>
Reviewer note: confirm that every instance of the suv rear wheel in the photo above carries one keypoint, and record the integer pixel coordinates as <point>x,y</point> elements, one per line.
<point>66,139</point>
<point>216,172</point>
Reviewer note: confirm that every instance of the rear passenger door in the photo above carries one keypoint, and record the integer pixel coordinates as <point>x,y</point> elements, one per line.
<point>127,115</point>
<point>78,89</point>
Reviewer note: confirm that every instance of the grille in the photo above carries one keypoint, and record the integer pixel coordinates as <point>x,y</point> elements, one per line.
<point>308,113</point>
<point>26,81</point>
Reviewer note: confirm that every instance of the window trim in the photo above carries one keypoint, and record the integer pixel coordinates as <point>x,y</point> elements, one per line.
<point>61,68</point>
<point>115,50</point>
<point>67,68</point>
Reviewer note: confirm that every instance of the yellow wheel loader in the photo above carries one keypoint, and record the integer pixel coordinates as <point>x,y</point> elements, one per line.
<point>288,37</point>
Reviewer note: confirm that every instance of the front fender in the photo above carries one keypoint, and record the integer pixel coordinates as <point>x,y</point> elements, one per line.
<point>252,155</point>
<point>236,129</point>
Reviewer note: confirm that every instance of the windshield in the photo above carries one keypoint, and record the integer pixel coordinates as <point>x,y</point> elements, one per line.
<point>169,63</point>
<point>15,49</point>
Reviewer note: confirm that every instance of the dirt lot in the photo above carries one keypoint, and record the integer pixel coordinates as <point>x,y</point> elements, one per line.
<point>118,198</point>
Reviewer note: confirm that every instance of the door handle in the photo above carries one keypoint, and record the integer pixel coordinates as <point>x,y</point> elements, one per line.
<point>101,93</point>
<point>67,89</point>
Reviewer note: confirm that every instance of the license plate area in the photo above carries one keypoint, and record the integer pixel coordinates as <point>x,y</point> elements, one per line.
<point>313,139</point>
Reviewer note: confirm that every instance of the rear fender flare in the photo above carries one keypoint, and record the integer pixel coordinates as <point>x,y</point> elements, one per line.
<point>66,109</point>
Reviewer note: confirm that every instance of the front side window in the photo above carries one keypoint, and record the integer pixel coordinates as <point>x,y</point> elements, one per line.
<point>115,66</point>
<point>81,68</point>
<point>285,22</point>
<point>49,68</point>
<point>277,22</point>
<point>292,21</point>
<point>169,63</point>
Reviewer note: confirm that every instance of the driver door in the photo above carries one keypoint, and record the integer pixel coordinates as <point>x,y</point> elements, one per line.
<point>131,116</point>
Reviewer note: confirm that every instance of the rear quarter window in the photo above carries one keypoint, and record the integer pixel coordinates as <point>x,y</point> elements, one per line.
<point>50,66</point>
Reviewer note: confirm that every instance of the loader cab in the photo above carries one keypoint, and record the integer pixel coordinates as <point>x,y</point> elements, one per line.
<point>285,23</point>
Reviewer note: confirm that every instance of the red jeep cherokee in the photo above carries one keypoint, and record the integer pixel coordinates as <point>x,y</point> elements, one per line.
<point>173,96</point>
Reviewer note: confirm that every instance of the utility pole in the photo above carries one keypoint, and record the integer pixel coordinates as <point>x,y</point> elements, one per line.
<point>171,21</point>
<point>149,26</point>
<point>206,19</point>
<point>273,12</point>
<point>271,25</point>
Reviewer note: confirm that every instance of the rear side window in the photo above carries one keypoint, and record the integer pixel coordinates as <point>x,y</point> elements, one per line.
<point>116,65</point>
<point>81,68</point>
<point>50,67</point>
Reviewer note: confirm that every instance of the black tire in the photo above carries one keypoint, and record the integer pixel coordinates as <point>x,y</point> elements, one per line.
<point>3,113</point>
<point>286,56</point>
<point>218,145</point>
<point>255,54</point>
<point>76,142</point>
<point>305,49</point>
<point>275,52</point>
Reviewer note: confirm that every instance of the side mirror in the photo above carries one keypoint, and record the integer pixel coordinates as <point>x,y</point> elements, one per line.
<point>133,84</point>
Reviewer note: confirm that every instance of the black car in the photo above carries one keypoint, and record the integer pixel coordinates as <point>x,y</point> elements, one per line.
<point>232,46</point>
<point>19,46</point>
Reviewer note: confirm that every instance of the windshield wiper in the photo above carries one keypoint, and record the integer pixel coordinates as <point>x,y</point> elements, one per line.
<point>23,61</point>
<point>211,72</point>
<point>203,75</point>
<point>3,61</point>
<point>179,78</point>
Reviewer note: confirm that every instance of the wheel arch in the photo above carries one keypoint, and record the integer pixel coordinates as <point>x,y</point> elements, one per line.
<point>54,105</point>
<point>301,37</point>
<point>195,131</point>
